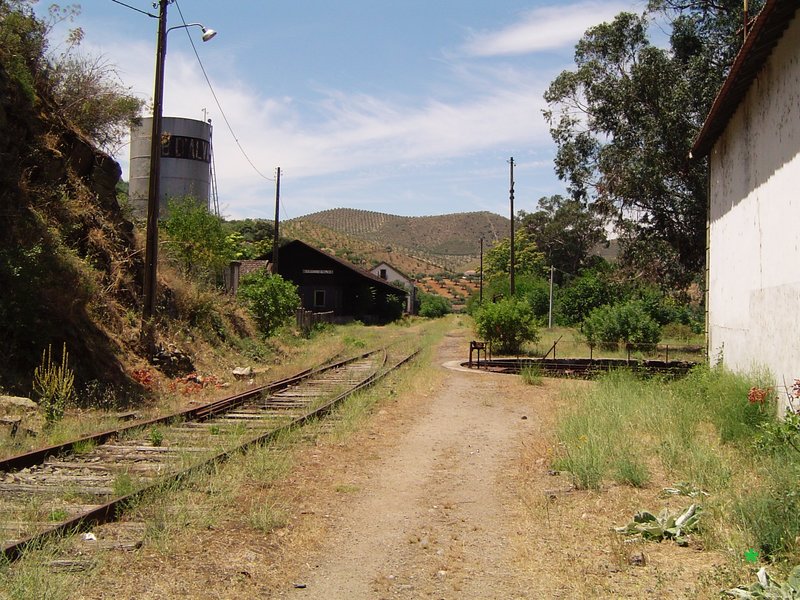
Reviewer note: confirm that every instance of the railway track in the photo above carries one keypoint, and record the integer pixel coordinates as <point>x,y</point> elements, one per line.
<point>62,489</point>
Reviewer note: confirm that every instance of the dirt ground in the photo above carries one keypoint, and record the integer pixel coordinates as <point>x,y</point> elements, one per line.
<point>445,492</point>
<point>431,518</point>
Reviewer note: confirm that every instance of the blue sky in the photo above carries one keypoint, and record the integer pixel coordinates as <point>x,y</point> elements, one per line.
<point>410,108</point>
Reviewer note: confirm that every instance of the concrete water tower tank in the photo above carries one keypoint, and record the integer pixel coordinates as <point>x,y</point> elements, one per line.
<point>185,162</point>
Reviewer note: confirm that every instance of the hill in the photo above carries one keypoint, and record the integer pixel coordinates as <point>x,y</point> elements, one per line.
<point>444,242</point>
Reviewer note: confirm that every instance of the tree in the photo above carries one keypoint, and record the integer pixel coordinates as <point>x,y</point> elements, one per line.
<point>527,259</point>
<point>592,289</point>
<point>507,325</point>
<point>625,119</point>
<point>196,238</point>
<point>271,299</point>
<point>86,91</point>
<point>565,230</point>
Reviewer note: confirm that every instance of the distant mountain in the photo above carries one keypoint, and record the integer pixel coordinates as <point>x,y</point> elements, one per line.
<point>450,242</point>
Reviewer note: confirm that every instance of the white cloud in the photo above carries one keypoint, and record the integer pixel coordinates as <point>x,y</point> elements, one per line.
<point>543,28</point>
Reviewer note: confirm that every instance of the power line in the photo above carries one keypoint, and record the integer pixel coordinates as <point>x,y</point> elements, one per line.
<point>214,94</point>
<point>144,12</point>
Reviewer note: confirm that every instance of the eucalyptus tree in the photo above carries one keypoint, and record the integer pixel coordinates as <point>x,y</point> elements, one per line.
<point>624,120</point>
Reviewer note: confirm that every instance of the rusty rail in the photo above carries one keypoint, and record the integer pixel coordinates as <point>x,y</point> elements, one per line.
<point>111,510</point>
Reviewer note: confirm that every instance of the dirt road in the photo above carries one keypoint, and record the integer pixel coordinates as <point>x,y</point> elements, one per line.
<point>432,517</point>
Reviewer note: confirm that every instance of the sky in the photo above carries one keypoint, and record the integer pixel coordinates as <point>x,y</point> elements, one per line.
<point>410,108</point>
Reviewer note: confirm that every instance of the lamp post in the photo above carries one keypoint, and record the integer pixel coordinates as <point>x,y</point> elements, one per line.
<point>153,192</point>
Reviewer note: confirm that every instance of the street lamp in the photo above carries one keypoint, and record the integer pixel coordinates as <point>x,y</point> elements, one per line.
<point>153,192</point>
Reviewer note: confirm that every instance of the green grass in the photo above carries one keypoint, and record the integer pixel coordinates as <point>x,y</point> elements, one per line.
<point>531,374</point>
<point>701,430</point>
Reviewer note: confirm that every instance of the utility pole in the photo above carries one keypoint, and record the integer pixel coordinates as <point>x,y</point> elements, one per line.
<point>277,216</point>
<point>550,312</point>
<point>153,193</point>
<point>481,279</point>
<point>511,196</point>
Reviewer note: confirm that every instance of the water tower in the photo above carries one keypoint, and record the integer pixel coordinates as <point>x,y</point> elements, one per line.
<point>185,162</point>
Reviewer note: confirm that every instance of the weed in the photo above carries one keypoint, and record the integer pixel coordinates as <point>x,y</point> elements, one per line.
<point>531,374</point>
<point>124,485</point>
<point>53,384</point>
<point>57,514</point>
<point>156,436</point>
<point>665,525</point>
<point>268,516</point>
<point>770,513</point>
<point>346,488</point>
<point>84,446</point>
<point>631,470</point>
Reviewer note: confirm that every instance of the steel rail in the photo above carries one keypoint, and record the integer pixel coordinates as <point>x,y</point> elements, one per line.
<point>112,509</point>
<point>196,413</point>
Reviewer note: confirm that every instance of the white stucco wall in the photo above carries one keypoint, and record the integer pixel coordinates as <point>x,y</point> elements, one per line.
<point>754,220</point>
<point>393,275</point>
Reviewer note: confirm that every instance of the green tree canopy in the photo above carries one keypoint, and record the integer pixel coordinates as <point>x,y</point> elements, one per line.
<point>527,259</point>
<point>565,230</point>
<point>196,238</point>
<point>625,118</point>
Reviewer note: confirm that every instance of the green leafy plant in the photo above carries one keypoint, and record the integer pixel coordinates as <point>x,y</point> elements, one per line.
<point>778,434</point>
<point>271,299</point>
<point>197,239</point>
<point>507,325</point>
<point>768,588</point>
<point>54,385</point>
<point>156,436</point>
<point>664,526</point>
<point>432,306</point>
<point>628,323</point>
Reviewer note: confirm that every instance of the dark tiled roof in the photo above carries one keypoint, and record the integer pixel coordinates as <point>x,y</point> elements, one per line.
<point>767,29</point>
<point>347,265</point>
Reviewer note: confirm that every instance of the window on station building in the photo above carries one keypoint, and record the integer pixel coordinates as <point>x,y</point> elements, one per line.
<point>319,298</point>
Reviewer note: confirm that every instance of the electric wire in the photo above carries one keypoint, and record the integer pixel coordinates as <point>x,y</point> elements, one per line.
<point>144,12</point>
<point>219,105</point>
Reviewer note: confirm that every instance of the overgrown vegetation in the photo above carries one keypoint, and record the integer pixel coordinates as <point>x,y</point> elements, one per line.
<point>432,306</point>
<point>708,431</point>
<point>270,298</point>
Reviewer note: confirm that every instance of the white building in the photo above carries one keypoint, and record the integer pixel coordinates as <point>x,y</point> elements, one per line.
<point>752,139</point>
<point>388,273</point>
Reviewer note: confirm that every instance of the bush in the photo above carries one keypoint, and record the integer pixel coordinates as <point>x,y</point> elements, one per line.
<point>592,289</point>
<point>197,238</point>
<point>270,298</point>
<point>432,306</point>
<point>629,323</point>
<point>507,325</point>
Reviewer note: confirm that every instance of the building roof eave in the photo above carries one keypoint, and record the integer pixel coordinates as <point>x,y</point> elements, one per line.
<point>767,30</point>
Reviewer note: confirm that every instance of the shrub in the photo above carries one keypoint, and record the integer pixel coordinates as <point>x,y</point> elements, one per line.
<point>432,306</point>
<point>592,289</point>
<point>628,323</point>
<point>270,298</point>
<point>507,325</point>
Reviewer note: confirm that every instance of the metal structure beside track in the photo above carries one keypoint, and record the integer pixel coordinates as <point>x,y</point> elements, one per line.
<point>251,418</point>
<point>584,368</point>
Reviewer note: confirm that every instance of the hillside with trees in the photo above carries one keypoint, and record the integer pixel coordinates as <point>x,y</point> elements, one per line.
<point>450,241</point>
